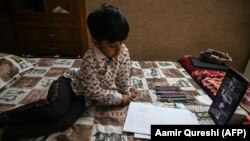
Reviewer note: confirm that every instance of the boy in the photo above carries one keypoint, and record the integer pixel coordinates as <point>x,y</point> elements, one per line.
<point>107,65</point>
<point>104,68</point>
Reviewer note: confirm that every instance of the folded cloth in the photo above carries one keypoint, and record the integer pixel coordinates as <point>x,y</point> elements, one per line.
<point>246,98</point>
<point>187,65</point>
<point>209,79</point>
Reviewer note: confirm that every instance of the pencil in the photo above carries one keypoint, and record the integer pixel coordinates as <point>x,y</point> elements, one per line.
<point>167,88</point>
<point>170,93</point>
<point>171,96</point>
<point>178,100</point>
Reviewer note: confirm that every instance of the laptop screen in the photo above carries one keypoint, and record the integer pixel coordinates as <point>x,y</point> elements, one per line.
<point>232,89</point>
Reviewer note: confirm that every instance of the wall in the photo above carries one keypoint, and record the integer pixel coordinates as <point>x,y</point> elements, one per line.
<point>247,70</point>
<point>8,43</point>
<point>169,29</point>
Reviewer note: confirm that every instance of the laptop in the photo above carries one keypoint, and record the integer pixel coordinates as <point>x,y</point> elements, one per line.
<point>227,99</point>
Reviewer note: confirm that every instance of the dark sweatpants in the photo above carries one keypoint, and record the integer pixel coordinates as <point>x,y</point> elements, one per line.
<point>45,117</point>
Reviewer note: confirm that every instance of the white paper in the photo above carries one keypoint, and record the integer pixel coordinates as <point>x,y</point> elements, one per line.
<point>141,136</point>
<point>141,116</point>
<point>204,99</point>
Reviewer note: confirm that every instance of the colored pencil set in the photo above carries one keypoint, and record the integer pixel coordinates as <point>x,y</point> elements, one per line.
<point>171,94</point>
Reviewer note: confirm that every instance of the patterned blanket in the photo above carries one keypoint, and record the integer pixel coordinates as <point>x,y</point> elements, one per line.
<point>99,123</point>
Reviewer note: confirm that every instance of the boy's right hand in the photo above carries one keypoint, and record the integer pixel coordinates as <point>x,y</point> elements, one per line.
<point>126,99</point>
<point>133,92</point>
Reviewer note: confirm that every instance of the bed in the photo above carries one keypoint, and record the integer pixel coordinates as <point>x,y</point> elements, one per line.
<point>98,122</point>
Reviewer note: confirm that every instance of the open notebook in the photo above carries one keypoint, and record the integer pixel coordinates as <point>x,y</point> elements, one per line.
<point>231,91</point>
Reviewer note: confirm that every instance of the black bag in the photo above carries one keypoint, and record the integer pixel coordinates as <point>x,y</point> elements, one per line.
<point>215,57</point>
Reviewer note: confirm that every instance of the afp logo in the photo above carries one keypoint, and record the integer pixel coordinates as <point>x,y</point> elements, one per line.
<point>234,133</point>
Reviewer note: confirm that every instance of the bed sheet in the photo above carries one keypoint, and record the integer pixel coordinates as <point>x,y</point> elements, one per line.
<point>98,122</point>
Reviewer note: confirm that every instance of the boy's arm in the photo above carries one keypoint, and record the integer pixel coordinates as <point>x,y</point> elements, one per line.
<point>94,91</point>
<point>123,74</point>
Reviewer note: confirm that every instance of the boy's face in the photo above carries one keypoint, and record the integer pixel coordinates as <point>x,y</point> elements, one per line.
<point>111,50</point>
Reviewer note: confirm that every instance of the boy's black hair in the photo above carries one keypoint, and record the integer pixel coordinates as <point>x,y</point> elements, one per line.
<point>107,22</point>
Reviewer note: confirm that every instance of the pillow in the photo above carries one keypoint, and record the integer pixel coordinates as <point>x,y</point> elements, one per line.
<point>10,67</point>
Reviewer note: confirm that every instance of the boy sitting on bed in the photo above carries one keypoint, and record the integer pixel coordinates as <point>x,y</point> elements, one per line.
<point>102,78</point>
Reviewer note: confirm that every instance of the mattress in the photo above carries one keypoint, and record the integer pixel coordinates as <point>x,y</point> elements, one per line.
<point>99,122</point>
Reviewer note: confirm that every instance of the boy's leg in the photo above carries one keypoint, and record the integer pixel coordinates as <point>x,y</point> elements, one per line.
<point>43,109</point>
<point>45,127</point>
